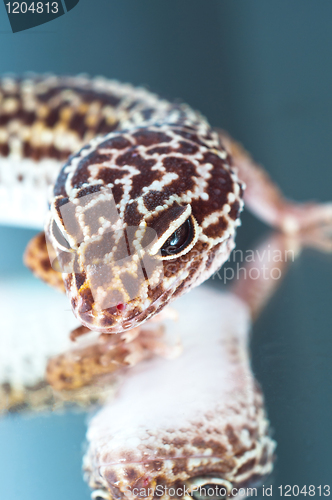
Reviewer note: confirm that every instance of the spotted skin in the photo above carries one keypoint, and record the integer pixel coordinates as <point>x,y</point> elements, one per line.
<point>201,414</point>
<point>147,185</point>
<point>155,157</point>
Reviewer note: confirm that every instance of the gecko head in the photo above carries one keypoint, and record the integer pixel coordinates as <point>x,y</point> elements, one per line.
<point>139,218</point>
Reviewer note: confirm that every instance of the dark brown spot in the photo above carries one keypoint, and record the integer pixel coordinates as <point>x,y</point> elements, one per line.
<point>131,474</point>
<point>219,185</point>
<point>77,123</point>
<point>133,158</point>
<point>108,175</point>
<point>246,466</point>
<point>59,187</point>
<point>80,280</point>
<point>154,199</point>
<point>117,142</point>
<point>109,316</point>
<point>178,442</point>
<point>111,476</point>
<point>181,166</point>
<point>216,230</point>
<point>87,301</point>
<point>132,217</point>
<point>52,117</point>
<point>65,378</point>
<point>179,466</point>
<point>232,438</point>
<point>45,264</point>
<point>235,210</point>
<point>161,150</point>
<point>147,137</point>
<point>187,148</point>
<point>117,191</point>
<point>104,127</point>
<point>191,136</point>
<point>217,448</point>
<point>94,188</point>
<point>82,173</point>
<point>4,149</point>
<point>199,442</point>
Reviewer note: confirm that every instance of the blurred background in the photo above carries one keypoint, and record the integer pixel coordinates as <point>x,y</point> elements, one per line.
<point>263,71</point>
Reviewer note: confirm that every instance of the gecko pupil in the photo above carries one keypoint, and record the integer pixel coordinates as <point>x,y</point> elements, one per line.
<point>179,240</point>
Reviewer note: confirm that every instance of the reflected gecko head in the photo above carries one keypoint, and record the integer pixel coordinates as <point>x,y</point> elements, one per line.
<point>197,488</point>
<point>205,487</point>
<point>137,219</point>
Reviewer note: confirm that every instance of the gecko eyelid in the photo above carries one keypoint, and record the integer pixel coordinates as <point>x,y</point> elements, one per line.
<point>201,486</point>
<point>181,241</point>
<point>100,495</point>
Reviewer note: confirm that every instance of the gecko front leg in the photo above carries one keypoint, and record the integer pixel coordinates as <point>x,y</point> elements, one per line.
<point>37,259</point>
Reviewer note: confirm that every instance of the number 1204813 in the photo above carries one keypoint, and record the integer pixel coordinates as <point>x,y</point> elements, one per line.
<point>32,7</point>
<point>311,491</point>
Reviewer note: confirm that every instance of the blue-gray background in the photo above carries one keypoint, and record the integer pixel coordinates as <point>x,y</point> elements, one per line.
<point>262,70</point>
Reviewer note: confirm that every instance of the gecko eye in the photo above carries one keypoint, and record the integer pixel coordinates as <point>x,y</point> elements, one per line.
<point>100,495</point>
<point>210,491</point>
<point>179,240</point>
<point>61,241</point>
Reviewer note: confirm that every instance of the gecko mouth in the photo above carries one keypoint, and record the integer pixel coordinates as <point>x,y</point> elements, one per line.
<point>121,320</point>
<point>157,304</point>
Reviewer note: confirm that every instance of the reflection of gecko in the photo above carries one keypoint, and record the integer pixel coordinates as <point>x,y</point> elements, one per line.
<point>197,421</point>
<point>198,416</point>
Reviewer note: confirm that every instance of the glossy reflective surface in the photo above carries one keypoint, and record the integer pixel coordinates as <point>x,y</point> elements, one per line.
<point>291,351</point>
<point>262,71</point>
